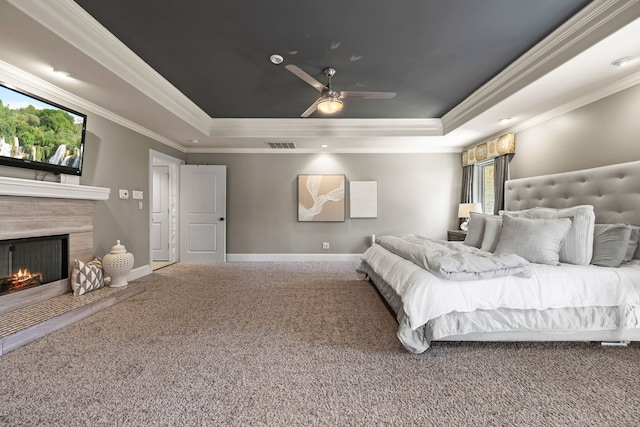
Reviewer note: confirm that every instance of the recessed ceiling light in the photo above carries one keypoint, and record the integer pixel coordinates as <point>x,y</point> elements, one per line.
<point>276,59</point>
<point>623,61</point>
<point>505,120</point>
<point>324,146</point>
<point>195,141</point>
<point>62,73</point>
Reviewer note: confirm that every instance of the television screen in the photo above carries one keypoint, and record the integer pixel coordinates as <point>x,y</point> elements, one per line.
<point>39,134</point>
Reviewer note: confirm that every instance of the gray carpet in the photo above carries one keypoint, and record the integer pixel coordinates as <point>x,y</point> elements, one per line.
<point>297,344</point>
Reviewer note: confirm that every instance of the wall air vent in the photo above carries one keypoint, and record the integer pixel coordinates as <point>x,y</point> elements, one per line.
<point>278,145</point>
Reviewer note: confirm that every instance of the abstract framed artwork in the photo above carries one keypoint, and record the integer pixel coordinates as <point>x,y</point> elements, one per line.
<point>321,198</point>
<point>363,199</point>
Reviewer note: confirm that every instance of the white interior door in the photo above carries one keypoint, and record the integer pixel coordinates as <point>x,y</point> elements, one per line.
<point>160,214</point>
<point>203,211</point>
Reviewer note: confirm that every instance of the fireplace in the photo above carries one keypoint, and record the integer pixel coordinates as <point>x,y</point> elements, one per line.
<point>30,208</point>
<point>29,262</point>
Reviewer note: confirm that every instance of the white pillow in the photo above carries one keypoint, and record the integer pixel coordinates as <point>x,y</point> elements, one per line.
<point>577,247</point>
<point>536,240</point>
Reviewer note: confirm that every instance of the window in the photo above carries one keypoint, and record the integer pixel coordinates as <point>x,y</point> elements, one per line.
<point>484,185</point>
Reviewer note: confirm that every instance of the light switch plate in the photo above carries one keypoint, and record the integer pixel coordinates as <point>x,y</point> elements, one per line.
<point>138,195</point>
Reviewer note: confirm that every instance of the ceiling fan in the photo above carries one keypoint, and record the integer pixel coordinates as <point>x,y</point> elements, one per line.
<point>331,101</point>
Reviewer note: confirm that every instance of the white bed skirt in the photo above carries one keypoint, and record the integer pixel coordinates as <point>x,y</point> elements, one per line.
<point>605,324</point>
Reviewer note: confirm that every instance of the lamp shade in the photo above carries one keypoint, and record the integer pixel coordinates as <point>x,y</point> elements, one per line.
<point>464,209</point>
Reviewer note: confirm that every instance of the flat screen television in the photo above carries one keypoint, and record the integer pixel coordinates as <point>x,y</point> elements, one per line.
<point>40,134</point>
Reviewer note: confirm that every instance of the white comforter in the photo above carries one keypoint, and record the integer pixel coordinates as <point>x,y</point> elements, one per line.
<point>425,297</point>
<point>453,261</point>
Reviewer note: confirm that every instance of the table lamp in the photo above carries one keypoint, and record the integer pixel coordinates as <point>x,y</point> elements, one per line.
<point>464,211</point>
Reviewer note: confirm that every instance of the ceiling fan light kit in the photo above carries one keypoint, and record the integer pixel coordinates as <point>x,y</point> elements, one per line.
<point>331,101</point>
<point>329,105</point>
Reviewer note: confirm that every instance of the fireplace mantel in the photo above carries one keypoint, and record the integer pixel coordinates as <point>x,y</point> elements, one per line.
<point>32,188</point>
<point>30,208</point>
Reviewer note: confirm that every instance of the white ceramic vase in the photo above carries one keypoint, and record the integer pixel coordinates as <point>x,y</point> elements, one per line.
<point>117,264</point>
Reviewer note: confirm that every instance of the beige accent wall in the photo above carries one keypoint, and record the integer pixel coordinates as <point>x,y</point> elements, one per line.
<point>417,193</point>
<point>602,133</point>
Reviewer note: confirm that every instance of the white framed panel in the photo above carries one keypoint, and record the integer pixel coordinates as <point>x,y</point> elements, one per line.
<point>363,199</point>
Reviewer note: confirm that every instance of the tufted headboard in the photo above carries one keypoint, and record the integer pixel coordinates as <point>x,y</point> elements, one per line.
<point>614,192</point>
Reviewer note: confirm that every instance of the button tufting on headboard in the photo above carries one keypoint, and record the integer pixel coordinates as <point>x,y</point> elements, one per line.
<point>614,192</point>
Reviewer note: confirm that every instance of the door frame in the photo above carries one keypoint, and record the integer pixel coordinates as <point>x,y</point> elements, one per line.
<point>157,158</point>
<point>160,217</point>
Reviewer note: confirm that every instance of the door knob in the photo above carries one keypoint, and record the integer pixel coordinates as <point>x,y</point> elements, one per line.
<point>221,219</point>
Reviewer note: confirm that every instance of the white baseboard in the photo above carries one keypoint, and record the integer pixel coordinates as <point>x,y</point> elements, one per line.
<point>145,270</point>
<point>292,257</point>
<point>139,272</point>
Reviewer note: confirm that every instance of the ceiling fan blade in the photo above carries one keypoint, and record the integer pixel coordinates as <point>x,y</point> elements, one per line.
<point>366,95</point>
<point>311,109</point>
<point>306,77</point>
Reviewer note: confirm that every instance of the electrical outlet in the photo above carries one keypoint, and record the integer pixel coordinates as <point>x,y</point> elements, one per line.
<point>325,245</point>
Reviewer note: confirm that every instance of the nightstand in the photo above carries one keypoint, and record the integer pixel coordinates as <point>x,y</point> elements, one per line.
<point>456,235</point>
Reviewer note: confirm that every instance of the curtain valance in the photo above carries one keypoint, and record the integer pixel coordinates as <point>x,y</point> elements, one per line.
<point>504,144</point>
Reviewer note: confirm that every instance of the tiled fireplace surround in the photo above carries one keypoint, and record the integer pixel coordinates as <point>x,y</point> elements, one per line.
<point>30,208</point>
<point>37,208</point>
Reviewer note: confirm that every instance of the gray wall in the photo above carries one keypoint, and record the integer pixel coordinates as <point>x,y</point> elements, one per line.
<point>118,158</point>
<point>115,157</point>
<point>416,193</point>
<point>602,133</point>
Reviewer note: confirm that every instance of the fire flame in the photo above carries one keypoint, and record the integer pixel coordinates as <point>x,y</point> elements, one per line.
<point>26,274</point>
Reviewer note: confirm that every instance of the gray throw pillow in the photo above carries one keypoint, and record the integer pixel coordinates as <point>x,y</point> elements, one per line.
<point>577,247</point>
<point>536,240</point>
<point>492,231</point>
<point>475,230</point>
<point>86,277</point>
<point>610,244</point>
<point>634,238</point>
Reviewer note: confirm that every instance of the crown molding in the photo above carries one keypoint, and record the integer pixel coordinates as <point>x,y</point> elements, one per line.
<point>600,93</point>
<point>72,23</point>
<point>388,150</point>
<point>68,20</point>
<point>335,128</point>
<point>30,83</point>
<point>586,27</point>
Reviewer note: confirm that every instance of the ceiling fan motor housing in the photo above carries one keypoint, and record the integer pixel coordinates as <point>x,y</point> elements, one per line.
<point>329,72</point>
<point>330,93</point>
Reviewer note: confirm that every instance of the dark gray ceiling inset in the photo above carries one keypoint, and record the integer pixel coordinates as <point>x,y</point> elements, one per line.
<point>432,53</point>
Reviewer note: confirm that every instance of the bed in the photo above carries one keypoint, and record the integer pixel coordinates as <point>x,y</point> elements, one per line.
<point>561,263</point>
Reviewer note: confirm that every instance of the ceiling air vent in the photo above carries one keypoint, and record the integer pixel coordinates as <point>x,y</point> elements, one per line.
<point>281,145</point>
